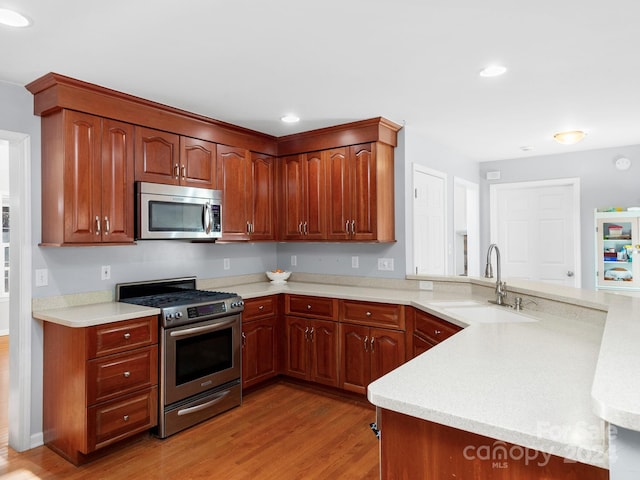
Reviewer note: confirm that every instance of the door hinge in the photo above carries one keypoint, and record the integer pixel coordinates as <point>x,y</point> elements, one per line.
<point>415,193</point>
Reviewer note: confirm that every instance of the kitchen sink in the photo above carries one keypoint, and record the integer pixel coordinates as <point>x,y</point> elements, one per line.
<point>488,314</point>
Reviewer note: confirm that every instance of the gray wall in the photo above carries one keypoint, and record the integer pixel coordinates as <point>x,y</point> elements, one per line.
<point>601,184</point>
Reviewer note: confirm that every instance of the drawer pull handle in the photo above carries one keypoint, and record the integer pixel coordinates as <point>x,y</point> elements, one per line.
<point>368,314</point>
<point>261,307</point>
<point>308,307</point>
<point>127,336</point>
<point>126,374</point>
<point>125,418</point>
<point>437,332</point>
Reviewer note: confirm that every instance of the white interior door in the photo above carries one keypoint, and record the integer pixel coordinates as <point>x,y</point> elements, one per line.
<point>536,225</point>
<point>429,221</point>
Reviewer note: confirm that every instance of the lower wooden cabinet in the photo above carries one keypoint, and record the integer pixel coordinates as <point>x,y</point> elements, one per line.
<point>425,331</point>
<point>368,353</point>
<point>312,350</point>
<point>259,340</point>
<point>100,385</point>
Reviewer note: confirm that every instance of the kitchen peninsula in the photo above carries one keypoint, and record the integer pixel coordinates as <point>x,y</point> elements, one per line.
<point>533,384</point>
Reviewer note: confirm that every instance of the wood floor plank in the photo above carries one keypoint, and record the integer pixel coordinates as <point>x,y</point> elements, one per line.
<point>284,431</point>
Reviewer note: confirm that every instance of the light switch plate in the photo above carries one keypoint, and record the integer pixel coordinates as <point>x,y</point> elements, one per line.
<point>227,263</point>
<point>42,277</point>
<point>355,262</point>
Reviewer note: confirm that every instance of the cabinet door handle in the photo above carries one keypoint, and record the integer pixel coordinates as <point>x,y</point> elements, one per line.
<point>244,339</point>
<point>371,343</point>
<point>366,340</point>
<point>106,225</point>
<point>306,334</point>
<point>346,227</point>
<point>313,330</point>
<point>184,171</point>
<point>126,374</point>
<point>353,227</point>
<point>300,228</point>
<point>248,227</point>
<point>305,229</point>
<point>97,225</point>
<point>176,171</point>
<point>127,336</point>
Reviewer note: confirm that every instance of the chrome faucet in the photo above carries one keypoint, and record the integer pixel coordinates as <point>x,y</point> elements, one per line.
<point>501,287</point>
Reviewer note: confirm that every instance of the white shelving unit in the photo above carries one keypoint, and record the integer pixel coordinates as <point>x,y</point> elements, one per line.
<point>618,250</point>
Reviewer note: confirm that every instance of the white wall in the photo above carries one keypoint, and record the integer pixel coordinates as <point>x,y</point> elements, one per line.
<point>601,186</point>
<point>4,188</point>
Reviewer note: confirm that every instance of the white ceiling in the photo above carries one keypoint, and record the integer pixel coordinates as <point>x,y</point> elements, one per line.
<point>572,64</point>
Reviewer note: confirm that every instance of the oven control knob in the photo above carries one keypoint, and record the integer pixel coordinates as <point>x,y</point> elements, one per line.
<point>178,315</point>
<point>169,316</point>
<point>237,304</point>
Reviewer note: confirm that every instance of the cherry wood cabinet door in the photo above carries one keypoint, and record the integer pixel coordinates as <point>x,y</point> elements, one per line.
<point>323,344</point>
<point>314,198</point>
<point>291,197</point>
<point>296,361</point>
<point>232,180</point>
<point>82,186</point>
<point>157,156</point>
<point>363,192</point>
<point>262,207</point>
<point>197,163</point>
<point>339,194</point>
<point>117,182</point>
<point>355,368</point>
<point>258,351</point>
<point>387,349</point>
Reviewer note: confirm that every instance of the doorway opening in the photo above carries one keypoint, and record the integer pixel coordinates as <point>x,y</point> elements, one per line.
<point>466,221</point>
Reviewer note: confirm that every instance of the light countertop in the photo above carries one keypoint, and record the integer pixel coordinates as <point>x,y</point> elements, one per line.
<point>551,384</point>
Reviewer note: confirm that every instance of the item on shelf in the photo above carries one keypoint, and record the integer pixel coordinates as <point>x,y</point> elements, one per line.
<point>618,273</point>
<point>615,230</point>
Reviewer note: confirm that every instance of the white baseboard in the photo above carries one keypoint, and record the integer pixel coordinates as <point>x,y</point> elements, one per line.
<point>37,440</point>
<point>4,332</point>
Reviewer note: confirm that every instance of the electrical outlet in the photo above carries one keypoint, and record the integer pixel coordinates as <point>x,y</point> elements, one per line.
<point>385,264</point>
<point>355,262</point>
<point>42,277</point>
<point>105,272</point>
<point>294,260</point>
<point>227,263</point>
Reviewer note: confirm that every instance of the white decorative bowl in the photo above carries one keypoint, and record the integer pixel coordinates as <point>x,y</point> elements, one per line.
<point>278,277</point>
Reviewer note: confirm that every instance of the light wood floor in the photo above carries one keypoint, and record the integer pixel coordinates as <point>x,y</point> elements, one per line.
<point>283,431</point>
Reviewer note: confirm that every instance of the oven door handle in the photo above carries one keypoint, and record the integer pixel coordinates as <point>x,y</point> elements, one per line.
<point>204,328</point>
<point>197,408</point>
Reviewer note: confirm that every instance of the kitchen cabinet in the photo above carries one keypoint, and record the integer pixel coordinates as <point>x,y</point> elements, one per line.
<point>360,193</point>
<point>247,183</point>
<point>311,347</point>
<point>87,173</point>
<point>617,247</point>
<point>368,353</point>
<point>303,196</point>
<point>414,448</point>
<point>259,340</point>
<point>425,331</point>
<point>163,157</point>
<point>100,385</point>
<point>372,342</point>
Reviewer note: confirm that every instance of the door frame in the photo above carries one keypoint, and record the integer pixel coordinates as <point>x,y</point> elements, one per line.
<point>574,182</point>
<point>20,318</point>
<point>473,226</point>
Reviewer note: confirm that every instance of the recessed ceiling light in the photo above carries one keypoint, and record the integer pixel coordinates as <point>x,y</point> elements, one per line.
<point>570,137</point>
<point>526,148</point>
<point>493,71</point>
<point>290,118</point>
<point>11,18</point>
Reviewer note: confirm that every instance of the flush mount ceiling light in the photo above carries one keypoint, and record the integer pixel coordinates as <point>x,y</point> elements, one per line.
<point>493,71</point>
<point>290,118</point>
<point>570,137</point>
<point>11,18</point>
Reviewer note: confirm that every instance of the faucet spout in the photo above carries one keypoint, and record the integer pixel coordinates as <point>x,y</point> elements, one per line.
<point>501,287</point>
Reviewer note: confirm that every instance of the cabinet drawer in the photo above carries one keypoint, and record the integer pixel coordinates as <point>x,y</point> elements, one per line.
<point>373,314</point>
<point>257,308</point>
<point>121,336</point>
<point>121,418</point>
<point>316,307</point>
<point>432,328</point>
<point>115,375</point>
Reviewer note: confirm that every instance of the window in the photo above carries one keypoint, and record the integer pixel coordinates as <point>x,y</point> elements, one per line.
<point>4,246</point>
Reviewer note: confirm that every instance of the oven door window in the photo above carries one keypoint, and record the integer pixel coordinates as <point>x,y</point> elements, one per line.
<point>175,217</point>
<point>203,355</point>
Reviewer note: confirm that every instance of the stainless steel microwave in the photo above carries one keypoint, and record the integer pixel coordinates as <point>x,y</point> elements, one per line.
<point>176,212</point>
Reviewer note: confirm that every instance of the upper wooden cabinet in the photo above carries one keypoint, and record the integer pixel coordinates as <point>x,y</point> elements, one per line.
<point>247,183</point>
<point>163,157</point>
<point>87,173</point>
<point>303,197</point>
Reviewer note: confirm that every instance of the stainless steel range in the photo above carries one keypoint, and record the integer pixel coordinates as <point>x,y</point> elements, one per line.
<point>200,349</point>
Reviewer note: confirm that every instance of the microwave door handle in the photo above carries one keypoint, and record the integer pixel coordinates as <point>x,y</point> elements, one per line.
<point>207,218</point>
